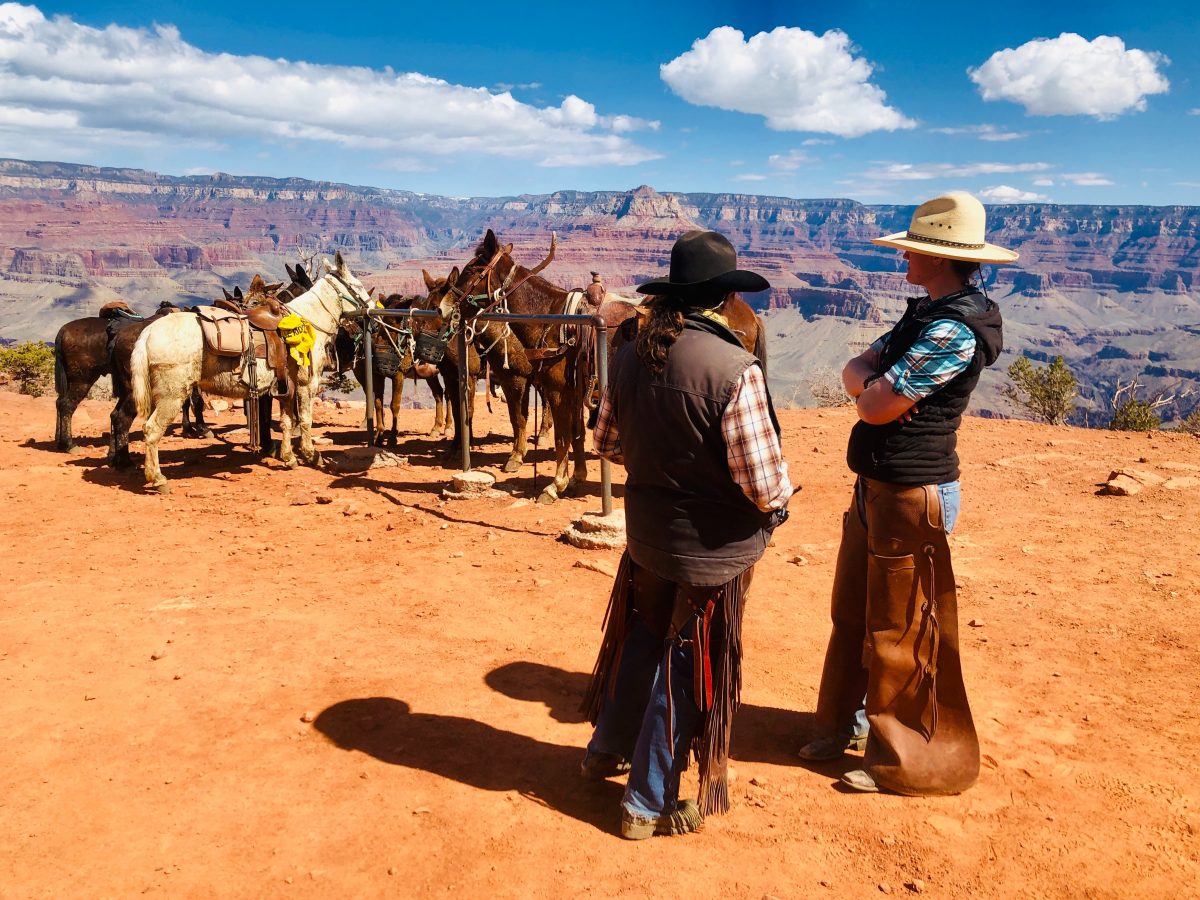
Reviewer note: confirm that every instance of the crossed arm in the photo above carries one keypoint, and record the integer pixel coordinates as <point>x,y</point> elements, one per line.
<point>877,403</point>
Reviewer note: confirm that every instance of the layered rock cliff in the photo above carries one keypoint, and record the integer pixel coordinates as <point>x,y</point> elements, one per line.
<point>1111,288</point>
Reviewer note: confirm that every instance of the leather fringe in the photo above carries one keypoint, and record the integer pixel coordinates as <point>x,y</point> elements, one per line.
<point>615,627</point>
<point>711,745</point>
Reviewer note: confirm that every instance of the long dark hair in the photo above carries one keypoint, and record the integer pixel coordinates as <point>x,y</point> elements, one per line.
<point>658,333</point>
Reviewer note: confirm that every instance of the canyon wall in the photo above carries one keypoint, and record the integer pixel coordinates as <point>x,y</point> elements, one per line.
<point>1115,290</point>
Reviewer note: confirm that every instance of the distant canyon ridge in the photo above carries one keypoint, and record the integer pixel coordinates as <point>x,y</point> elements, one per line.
<point>1115,290</point>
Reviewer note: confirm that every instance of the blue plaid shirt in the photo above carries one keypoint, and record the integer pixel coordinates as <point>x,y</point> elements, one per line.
<point>944,349</point>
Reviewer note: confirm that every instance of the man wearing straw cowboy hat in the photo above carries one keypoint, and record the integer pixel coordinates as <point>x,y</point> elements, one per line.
<point>688,414</point>
<point>895,615</point>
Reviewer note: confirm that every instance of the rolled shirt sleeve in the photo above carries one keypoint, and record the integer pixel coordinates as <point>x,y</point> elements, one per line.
<point>754,452</point>
<point>944,349</point>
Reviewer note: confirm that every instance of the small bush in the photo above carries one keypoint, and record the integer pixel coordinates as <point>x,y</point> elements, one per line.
<point>31,364</point>
<point>1135,415</point>
<point>1048,392</point>
<point>825,386</point>
<point>1191,422</point>
<point>342,383</point>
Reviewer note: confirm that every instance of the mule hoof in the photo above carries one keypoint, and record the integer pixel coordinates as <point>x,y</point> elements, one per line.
<point>291,462</point>
<point>548,496</point>
<point>161,488</point>
<point>513,465</point>
<point>317,461</point>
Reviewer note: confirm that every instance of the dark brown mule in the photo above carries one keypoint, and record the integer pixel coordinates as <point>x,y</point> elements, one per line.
<point>81,358</point>
<point>622,320</point>
<point>523,355</point>
<point>392,360</point>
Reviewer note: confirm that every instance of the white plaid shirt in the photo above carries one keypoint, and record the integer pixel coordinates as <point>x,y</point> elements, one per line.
<point>753,450</point>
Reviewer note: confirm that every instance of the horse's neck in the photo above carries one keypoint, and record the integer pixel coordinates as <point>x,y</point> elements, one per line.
<point>319,304</point>
<point>537,296</point>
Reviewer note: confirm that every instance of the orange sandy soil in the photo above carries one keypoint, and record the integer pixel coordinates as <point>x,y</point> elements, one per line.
<point>158,655</point>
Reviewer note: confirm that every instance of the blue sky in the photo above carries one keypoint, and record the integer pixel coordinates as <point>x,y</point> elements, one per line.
<point>1093,102</point>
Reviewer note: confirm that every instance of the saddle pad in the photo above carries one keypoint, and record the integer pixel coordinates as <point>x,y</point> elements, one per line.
<point>225,333</point>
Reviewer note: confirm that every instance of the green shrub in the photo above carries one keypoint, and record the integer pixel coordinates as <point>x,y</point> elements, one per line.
<point>31,364</point>
<point>341,382</point>
<point>1135,415</point>
<point>1047,392</point>
<point>1191,422</point>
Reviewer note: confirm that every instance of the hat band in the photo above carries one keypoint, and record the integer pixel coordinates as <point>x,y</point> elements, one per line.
<point>913,236</point>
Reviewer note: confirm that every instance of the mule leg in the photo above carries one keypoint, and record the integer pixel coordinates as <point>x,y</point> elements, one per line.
<point>304,403</point>
<point>119,422</point>
<point>455,414</point>
<point>287,422</point>
<point>516,395</point>
<point>380,384</point>
<point>397,396</point>
<point>165,411</point>
<point>562,445</point>
<point>65,406</point>
<point>439,405</point>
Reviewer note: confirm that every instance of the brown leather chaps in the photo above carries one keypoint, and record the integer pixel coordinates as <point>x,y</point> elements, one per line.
<point>895,639</point>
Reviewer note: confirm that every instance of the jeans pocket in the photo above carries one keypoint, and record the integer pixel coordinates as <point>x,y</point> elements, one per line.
<point>951,501</point>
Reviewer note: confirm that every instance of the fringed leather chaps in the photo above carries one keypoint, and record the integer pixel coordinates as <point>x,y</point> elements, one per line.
<point>710,618</point>
<point>895,638</point>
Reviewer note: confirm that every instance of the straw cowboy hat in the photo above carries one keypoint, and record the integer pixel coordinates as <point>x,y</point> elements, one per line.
<point>950,226</point>
<point>704,264</point>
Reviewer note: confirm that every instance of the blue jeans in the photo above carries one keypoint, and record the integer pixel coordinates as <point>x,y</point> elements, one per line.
<point>635,725</point>
<point>951,498</point>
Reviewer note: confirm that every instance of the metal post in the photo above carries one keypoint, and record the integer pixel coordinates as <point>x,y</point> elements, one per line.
<point>464,379</point>
<point>601,331</point>
<point>369,364</point>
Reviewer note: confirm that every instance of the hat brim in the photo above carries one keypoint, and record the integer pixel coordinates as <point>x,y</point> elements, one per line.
<point>988,253</point>
<point>737,280</point>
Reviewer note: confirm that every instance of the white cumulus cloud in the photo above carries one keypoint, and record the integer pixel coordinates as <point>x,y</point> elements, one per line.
<point>116,85</point>
<point>983,132</point>
<point>929,171</point>
<point>1002,193</point>
<point>1072,76</point>
<point>1086,179</point>
<point>797,80</point>
<point>790,161</point>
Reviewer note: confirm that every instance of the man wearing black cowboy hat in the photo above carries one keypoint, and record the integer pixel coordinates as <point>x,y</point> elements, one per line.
<point>688,414</point>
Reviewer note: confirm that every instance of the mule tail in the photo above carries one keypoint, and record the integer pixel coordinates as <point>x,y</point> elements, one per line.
<point>61,386</point>
<point>139,366</point>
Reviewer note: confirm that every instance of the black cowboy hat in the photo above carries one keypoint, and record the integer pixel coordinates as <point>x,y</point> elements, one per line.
<point>704,263</point>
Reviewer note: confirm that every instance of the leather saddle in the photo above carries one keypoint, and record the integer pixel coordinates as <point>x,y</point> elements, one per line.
<point>250,332</point>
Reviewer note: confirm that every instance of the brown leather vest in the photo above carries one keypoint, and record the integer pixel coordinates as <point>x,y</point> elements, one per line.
<point>686,518</point>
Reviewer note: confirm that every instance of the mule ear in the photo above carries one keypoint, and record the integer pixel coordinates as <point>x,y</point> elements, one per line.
<point>452,278</point>
<point>339,262</point>
<point>256,284</point>
<point>508,248</point>
<point>228,296</point>
<point>303,277</point>
<point>237,293</point>
<point>328,264</point>
<point>291,272</point>
<point>430,284</point>
<point>490,244</point>
<point>272,287</point>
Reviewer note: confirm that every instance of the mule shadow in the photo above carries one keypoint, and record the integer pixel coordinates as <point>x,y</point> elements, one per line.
<point>762,734</point>
<point>472,753</point>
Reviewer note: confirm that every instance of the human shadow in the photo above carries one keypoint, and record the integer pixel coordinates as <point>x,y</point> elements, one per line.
<point>471,753</point>
<point>764,734</point>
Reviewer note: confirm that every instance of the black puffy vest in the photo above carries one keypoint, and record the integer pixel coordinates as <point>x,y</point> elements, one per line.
<point>922,450</point>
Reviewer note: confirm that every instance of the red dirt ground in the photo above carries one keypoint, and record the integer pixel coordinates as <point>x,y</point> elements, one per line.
<point>159,655</point>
